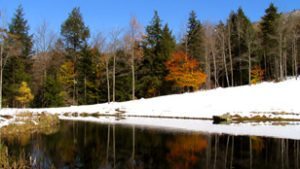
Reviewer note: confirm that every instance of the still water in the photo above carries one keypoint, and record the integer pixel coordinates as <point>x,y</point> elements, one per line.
<point>87,145</point>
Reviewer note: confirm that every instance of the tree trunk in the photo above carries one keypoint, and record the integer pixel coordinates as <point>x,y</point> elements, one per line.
<point>224,58</point>
<point>230,55</point>
<point>133,74</point>
<point>114,78</point>
<point>85,90</point>
<point>107,79</point>
<point>295,55</point>
<point>215,69</point>
<point>280,57</point>
<point>249,63</point>
<point>1,75</point>
<point>207,68</point>
<point>285,74</point>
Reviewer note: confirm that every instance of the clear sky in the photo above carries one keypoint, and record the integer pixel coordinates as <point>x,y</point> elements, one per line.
<point>103,15</point>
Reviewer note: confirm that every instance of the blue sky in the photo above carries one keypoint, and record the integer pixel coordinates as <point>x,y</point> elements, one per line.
<point>103,15</point>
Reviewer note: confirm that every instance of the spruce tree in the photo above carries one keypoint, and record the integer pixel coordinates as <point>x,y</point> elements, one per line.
<point>268,28</point>
<point>157,47</point>
<point>168,45</point>
<point>194,39</point>
<point>18,65</point>
<point>87,88</point>
<point>53,92</point>
<point>19,27</point>
<point>149,81</point>
<point>238,29</point>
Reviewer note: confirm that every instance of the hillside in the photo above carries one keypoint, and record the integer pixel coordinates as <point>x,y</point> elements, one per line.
<point>268,98</point>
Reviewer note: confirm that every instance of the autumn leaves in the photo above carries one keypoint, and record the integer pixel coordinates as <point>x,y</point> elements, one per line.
<point>185,71</point>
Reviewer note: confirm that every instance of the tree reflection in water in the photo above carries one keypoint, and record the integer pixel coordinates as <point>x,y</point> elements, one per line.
<point>93,146</point>
<point>185,150</point>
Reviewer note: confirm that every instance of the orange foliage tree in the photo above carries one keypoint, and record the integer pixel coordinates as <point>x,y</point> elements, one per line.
<point>184,71</point>
<point>257,74</point>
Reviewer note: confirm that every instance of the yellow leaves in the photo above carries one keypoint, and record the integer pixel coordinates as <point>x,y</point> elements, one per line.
<point>25,95</point>
<point>257,74</point>
<point>184,71</point>
<point>67,74</point>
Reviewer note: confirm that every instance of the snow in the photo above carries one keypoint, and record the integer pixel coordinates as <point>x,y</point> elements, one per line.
<point>247,100</point>
<point>266,99</point>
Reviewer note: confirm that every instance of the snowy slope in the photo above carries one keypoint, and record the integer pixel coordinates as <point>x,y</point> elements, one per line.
<point>265,98</point>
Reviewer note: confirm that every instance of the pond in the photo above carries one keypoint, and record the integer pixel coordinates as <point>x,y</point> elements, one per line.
<point>89,145</point>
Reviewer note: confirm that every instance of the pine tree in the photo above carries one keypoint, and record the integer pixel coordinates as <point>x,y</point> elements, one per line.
<point>157,45</point>
<point>194,39</point>
<point>53,95</point>
<point>18,65</point>
<point>74,31</point>
<point>268,28</point>
<point>168,45</point>
<point>87,76</point>
<point>19,27</point>
<point>241,33</point>
<point>150,81</point>
<point>75,35</point>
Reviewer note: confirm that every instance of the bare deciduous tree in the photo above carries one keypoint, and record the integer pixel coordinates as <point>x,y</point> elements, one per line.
<point>114,46</point>
<point>135,35</point>
<point>44,40</point>
<point>100,44</point>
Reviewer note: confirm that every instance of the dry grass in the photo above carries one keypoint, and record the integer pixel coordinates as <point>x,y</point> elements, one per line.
<point>29,123</point>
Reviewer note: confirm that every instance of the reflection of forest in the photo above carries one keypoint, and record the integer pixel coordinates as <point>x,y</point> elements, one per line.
<point>18,158</point>
<point>89,145</point>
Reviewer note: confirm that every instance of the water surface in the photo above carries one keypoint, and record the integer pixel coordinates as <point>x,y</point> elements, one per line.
<point>87,145</point>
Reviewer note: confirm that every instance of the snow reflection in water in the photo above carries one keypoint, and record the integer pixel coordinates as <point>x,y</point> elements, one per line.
<point>110,145</point>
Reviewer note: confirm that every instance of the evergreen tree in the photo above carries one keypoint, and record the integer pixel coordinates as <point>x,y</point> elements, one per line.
<point>75,35</point>
<point>238,29</point>
<point>168,45</point>
<point>53,92</point>
<point>18,65</point>
<point>50,94</point>
<point>168,42</point>
<point>157,46</point>
<point>74,31</point>
<point>150,82</point>
<point>194,39</point>
<point>87,76</point>
<point>19,27</point>
<point>268,28</point>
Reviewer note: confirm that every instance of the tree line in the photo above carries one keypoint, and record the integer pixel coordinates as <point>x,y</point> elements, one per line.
<point>48,70</point>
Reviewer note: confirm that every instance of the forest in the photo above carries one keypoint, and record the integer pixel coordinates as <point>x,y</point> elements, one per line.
<point>44,69</point>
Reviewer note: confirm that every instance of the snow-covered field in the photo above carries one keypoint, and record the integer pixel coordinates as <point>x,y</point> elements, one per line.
<point>280,100</point>
<point>267,98</point>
